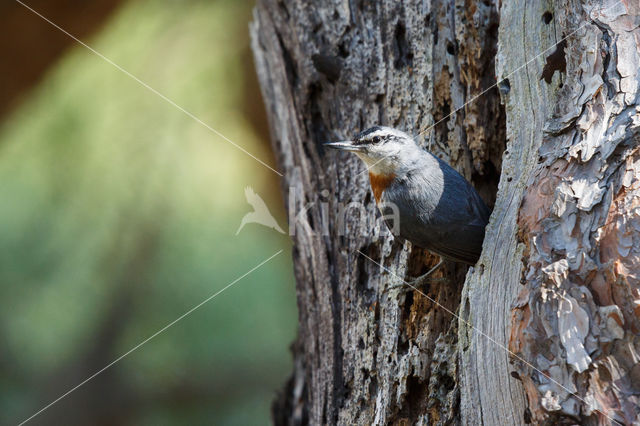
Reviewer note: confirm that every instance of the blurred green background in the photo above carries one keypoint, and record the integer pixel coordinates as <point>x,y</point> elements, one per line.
<point>119,214</point>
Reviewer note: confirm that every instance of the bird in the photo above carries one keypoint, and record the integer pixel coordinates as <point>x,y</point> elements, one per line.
<point>437,207</point>
<point>260,213</point>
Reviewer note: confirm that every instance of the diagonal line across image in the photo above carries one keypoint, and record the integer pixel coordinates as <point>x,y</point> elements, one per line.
<point>192,116</point>
<point>148,87</point>
<point>482,333</point>
<point>136,347</point>
<point>494,85</point>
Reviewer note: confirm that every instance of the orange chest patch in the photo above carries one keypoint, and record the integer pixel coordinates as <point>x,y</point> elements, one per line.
<point>379,183</point>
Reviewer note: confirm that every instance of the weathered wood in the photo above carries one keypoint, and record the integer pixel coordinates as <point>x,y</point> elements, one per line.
<point>576,318</point>
<point>566,208</point>
<point>564,228</point>
<point>365,355</point>
<point>492,396</point>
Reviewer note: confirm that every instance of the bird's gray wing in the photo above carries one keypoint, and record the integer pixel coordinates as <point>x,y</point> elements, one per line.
<point>459,221</point>
<point>442,213</point>
<point>463,245</point>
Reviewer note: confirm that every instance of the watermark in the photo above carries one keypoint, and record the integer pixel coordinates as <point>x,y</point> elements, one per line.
<point>328,218</point>
<point>260,214</point>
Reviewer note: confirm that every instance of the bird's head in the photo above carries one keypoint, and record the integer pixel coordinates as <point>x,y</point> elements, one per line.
<point>385,151</point>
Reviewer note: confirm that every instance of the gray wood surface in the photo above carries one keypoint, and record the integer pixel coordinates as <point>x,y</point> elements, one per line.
<point>571,213</point>
<point>365,355</point>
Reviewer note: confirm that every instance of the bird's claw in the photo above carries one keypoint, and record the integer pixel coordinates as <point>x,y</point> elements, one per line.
<point>420,281</point>
<point>415,284</point>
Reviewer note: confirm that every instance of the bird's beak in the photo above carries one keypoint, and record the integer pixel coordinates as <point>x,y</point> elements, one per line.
<point>343,145</point>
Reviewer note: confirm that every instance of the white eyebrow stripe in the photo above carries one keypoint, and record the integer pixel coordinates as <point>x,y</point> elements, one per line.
<point>380,133</point>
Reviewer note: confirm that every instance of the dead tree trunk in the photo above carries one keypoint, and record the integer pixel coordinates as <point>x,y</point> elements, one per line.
<point>545,327</point>
<point>570,188</point>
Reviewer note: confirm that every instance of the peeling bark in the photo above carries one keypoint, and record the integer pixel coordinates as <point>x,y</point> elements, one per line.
<point>581,219</point>
<point>557,283</point>
<point>567,211</point>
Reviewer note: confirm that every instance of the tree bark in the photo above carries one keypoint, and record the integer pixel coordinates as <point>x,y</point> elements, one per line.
<point>576,320</point>
<point>545,326</point>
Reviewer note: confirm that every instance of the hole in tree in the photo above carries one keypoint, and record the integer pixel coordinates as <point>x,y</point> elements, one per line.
<point>504,86</point>
<point>451,49</point>
<point>547,17</point>
<point>555,62</point>
<point>401,47</point>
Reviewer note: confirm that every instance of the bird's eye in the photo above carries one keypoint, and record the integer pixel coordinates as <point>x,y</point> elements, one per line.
<point>375,139</point>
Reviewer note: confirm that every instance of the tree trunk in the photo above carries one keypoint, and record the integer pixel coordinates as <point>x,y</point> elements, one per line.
<point>545,326</point>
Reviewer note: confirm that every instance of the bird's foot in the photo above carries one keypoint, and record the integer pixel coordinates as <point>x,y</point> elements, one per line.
<point>420,281</point>
<point>424,280</point>
<point>421,284</point>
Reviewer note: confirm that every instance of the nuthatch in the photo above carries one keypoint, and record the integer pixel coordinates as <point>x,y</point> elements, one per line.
<point>438,209</point>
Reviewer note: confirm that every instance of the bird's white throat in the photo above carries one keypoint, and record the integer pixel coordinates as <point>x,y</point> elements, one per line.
<point>380,166</point>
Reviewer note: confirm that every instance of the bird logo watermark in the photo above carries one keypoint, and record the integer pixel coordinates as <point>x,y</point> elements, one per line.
<point>260,214</point>
<point>299,211</point>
